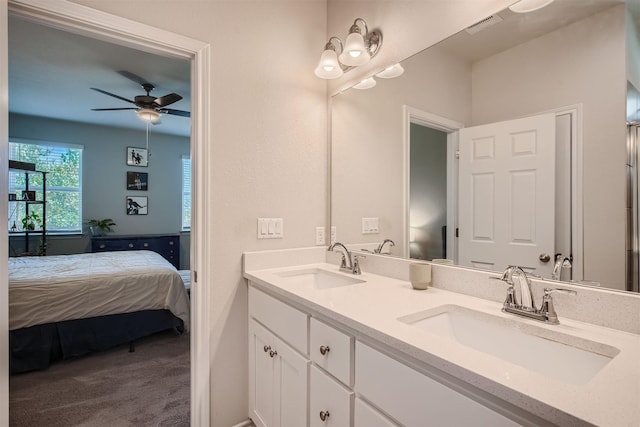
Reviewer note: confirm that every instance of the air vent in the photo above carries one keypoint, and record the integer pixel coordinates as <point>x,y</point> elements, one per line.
<point>485,23</point>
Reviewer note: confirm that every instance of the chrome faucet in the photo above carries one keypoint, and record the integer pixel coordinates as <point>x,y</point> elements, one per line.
<point>353,264</point>
<point>378,250</point>
<point>524,305</point>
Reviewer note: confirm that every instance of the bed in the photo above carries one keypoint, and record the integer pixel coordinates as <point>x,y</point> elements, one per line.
<point>64,306</point>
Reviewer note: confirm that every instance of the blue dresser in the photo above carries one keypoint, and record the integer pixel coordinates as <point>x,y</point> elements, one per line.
<point>167,245</point>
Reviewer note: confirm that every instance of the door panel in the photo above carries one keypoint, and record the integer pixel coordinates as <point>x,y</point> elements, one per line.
<point>507,194</point>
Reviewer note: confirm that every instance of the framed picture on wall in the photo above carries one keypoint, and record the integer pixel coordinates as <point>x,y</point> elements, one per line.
<point>137,156</point>
<point>137,181</point>
<point>136,205</point>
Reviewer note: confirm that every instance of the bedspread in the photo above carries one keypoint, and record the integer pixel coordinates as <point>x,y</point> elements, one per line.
<point>66,287</point>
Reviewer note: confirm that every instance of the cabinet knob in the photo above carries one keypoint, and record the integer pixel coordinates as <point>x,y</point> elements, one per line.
<point>130,245</point>
<point>324,415</point>
<point>273,353</point>
<point>324,349</point>
<point>146,245</point>
<point>267,348</point>
<point>171,243</point>
<point>102,246</point>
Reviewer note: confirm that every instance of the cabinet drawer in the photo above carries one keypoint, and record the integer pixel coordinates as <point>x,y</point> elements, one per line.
<point>365,416</point>
<point>285,321</point>
<point>332,350</point>
<point>329,400</point>
<point>413,398</point>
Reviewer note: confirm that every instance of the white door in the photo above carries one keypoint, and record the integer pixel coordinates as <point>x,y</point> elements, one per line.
<point>507,194</point>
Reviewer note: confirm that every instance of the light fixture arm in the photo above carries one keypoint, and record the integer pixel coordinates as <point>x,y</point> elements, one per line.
<point>332,46</point>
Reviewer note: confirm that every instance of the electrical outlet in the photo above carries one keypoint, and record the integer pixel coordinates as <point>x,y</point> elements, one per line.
<point>319,235</point>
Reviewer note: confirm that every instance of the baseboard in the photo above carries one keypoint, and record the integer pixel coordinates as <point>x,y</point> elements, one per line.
<point>245,423</point>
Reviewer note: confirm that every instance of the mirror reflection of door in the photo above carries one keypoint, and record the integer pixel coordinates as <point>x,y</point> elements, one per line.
<point>427,193</point>
<point>507,194</point>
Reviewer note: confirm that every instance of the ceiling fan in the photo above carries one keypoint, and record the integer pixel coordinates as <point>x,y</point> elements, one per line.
<point>147,107</point>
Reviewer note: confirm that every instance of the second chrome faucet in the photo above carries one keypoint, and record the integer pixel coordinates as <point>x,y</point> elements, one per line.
<point>519,299</point>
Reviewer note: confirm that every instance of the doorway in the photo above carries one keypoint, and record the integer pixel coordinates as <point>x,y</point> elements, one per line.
<point>81,20</point>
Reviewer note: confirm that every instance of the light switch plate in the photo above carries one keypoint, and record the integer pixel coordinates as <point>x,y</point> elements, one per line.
<point>334,232</point>
<point>370,226</point>
<point>270,228</point>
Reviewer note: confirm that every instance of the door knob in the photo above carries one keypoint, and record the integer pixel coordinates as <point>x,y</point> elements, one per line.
<point>324,349</point>
<point>324,415</point>
<point>544,258</point>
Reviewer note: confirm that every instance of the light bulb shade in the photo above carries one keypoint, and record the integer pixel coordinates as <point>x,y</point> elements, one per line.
<point>391,72</point>
<point>525,6</point>
<point>148,115</point>
<point>367,83</point>
<point>355,53</point>
<point>328,67</point>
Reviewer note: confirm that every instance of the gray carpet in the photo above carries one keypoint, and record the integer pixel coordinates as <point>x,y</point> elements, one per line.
<point>149,387</point>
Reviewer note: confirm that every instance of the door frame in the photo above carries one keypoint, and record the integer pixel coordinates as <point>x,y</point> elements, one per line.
<point>414,115</point>
<point>83,20</point>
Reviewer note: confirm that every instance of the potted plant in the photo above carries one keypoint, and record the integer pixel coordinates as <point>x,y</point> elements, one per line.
<point>31,221</point>
<point>99,227</point>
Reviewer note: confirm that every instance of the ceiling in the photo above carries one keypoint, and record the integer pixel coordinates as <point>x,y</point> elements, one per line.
<point>51,73</point>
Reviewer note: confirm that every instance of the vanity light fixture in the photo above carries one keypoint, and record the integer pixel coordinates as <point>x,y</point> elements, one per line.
<point>367,83</point>
<point>391,72</point>
<point>525,6</point>
<point>148,115</point>
<point>360,46</point>
<point>329,67</point>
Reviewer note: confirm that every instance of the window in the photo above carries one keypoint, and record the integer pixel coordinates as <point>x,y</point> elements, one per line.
<point>64,185</point>
<point>186,193</point>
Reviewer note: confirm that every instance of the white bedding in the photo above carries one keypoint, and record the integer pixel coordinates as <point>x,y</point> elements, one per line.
<point>66,287</point>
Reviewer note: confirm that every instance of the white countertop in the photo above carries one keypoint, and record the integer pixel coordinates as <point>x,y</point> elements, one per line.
<point>610,398</point>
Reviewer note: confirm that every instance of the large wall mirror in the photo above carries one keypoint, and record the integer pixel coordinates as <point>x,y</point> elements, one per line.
<point>507,143</point>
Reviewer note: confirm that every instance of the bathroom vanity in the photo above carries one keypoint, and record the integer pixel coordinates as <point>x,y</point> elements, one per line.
<point>329,348</point>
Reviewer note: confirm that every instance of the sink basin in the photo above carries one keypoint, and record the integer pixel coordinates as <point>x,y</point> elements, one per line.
<point>319,279</point>
<point>551,353</point>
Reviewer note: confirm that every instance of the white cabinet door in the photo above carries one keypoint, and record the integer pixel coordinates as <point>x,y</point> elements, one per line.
<point>414,399</point>
<point>365,416</point>
<point>330,403</point>
<point>278,379</point>
<point>262,376</point>
<point>292,376</point>
<point>507,194</point>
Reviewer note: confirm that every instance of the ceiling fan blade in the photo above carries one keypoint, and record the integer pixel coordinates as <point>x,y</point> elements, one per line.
<point>175,112</point>
<point>134,77</point>
<point>163,101</point>
<point>112,94</point>
<point>113,109</point>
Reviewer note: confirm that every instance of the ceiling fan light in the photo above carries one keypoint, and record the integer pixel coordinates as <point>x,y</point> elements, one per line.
<point>148,115</point>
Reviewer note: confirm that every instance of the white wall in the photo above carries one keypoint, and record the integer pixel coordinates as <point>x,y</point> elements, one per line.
<point>581,63</point>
